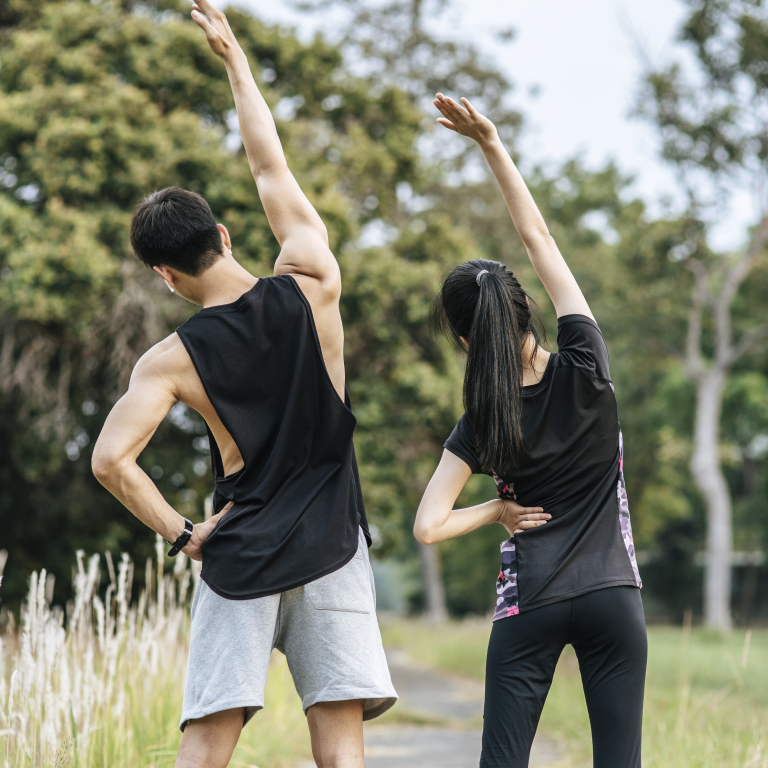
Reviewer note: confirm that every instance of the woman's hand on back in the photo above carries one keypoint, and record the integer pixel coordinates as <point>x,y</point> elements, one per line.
<point>516,518</point>
<point>465,120</point>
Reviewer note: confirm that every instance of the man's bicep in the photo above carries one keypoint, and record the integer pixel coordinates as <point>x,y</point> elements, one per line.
<point>298,228</point>
<point>286,205</point>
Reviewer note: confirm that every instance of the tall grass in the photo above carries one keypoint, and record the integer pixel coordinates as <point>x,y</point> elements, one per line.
<point>706,700</point>
<point>101,684</point>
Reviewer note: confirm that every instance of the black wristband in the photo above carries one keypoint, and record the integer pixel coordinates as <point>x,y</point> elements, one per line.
<point>181,542</point>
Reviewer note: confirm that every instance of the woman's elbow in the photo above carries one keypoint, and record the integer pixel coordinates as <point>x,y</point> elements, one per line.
<point>537,238</point>
<point>424,534</point>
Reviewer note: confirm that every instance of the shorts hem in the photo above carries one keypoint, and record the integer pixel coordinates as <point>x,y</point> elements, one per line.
<point>203,711</point>
<point>376,702</point>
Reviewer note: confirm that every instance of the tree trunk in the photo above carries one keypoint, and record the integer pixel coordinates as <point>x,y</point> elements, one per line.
<point>708,474</point>
<point>433,583</point>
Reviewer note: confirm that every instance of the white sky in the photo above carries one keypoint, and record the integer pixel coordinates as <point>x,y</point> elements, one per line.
<point>584,56</point>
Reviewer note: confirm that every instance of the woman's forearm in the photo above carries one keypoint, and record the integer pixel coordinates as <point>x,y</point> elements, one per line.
<point>522,208</point>
<point>434,524</point>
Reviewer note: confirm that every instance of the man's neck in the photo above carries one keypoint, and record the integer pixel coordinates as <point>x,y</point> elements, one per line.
<point>224,282</point>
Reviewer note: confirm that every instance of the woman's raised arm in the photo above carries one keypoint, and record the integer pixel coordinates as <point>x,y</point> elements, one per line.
<point>542,250</point>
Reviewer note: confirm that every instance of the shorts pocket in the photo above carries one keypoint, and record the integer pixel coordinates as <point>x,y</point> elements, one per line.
<point>348,589</point>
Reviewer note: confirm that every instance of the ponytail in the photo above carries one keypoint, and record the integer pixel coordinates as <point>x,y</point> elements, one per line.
<point>483,302</point>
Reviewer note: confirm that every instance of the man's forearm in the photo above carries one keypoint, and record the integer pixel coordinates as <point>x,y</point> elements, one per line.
<point>131,486</point>
<point>257,126</point>
<point>290,214</point>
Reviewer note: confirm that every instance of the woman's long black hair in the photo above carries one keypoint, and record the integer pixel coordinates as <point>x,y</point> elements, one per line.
<point>484,302</point>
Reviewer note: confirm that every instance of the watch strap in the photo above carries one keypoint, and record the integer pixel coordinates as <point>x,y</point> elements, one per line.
<point>181,542</point>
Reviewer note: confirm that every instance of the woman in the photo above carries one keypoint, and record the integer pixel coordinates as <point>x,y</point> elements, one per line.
<point>545,426</point>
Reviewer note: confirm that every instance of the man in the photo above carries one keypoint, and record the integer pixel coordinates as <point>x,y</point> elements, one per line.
<point>285,560</point>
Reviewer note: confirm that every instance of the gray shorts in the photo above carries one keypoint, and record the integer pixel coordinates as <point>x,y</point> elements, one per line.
<point>327,630</point>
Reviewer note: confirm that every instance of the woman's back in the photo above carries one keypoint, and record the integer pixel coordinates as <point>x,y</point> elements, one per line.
<point>572,468</point>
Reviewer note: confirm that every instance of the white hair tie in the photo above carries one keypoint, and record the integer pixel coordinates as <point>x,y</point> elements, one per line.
<point>480,274</point>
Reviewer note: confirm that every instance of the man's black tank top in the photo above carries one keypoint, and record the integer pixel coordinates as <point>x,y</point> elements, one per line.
<point>297,500</point>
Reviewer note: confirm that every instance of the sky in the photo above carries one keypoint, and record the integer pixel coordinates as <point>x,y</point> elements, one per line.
<point>586,59</point>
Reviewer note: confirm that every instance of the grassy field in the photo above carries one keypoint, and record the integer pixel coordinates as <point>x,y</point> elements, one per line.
<point>104,688</point>
<point>706,700</point>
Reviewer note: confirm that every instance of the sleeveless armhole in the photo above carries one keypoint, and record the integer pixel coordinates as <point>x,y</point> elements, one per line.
<point>344,401</point>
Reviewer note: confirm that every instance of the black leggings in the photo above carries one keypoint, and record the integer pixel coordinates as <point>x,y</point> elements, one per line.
<point>607,630</point>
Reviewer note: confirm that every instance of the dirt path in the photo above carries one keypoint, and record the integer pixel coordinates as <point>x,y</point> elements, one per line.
<point>451,708</point>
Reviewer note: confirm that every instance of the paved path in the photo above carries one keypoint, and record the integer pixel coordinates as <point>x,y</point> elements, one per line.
<point>454,705</point>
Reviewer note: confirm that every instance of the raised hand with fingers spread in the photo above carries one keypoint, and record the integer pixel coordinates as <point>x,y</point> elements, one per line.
<point>465,120</point>
<point>543,252</point>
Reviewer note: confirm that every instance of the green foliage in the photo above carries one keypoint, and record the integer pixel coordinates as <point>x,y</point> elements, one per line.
<point>715,126</point>
<point>709,118</point>
<point>101,103</point>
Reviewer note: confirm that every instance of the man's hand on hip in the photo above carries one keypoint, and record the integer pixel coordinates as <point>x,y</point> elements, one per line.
<point>201,532</point>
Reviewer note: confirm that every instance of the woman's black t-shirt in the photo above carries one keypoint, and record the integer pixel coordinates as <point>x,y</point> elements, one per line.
<point>573,469</point>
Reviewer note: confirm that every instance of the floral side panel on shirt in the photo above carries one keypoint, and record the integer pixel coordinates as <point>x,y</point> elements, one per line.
<point>626,525</point>
<point>506,584</point>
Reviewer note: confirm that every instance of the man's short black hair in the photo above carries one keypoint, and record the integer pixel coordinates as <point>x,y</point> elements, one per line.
<point>176,228</point>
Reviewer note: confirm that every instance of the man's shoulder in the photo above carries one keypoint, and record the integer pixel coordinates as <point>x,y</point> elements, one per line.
<point>319,291</point>
<point>167,359</point>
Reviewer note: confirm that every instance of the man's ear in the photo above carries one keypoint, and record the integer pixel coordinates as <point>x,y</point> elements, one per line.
<point>225,237</point>
<point>166,274</point>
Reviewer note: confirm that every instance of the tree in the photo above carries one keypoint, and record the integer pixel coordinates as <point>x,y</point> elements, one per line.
<point>713,130</point>
<point>619,256</point>
<point>101,103</point>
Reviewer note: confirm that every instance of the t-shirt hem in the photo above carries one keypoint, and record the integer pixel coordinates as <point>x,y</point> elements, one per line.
<point>577,593</point>
<point>287,587</point>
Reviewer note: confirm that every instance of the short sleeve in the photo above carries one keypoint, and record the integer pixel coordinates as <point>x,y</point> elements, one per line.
<point>461,443</point>
<point>581,345</point>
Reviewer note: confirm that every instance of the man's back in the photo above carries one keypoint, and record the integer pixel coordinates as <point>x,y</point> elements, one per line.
<point>296,499</point>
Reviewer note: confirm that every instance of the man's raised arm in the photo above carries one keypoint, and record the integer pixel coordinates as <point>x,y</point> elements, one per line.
<point>295,223</point>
